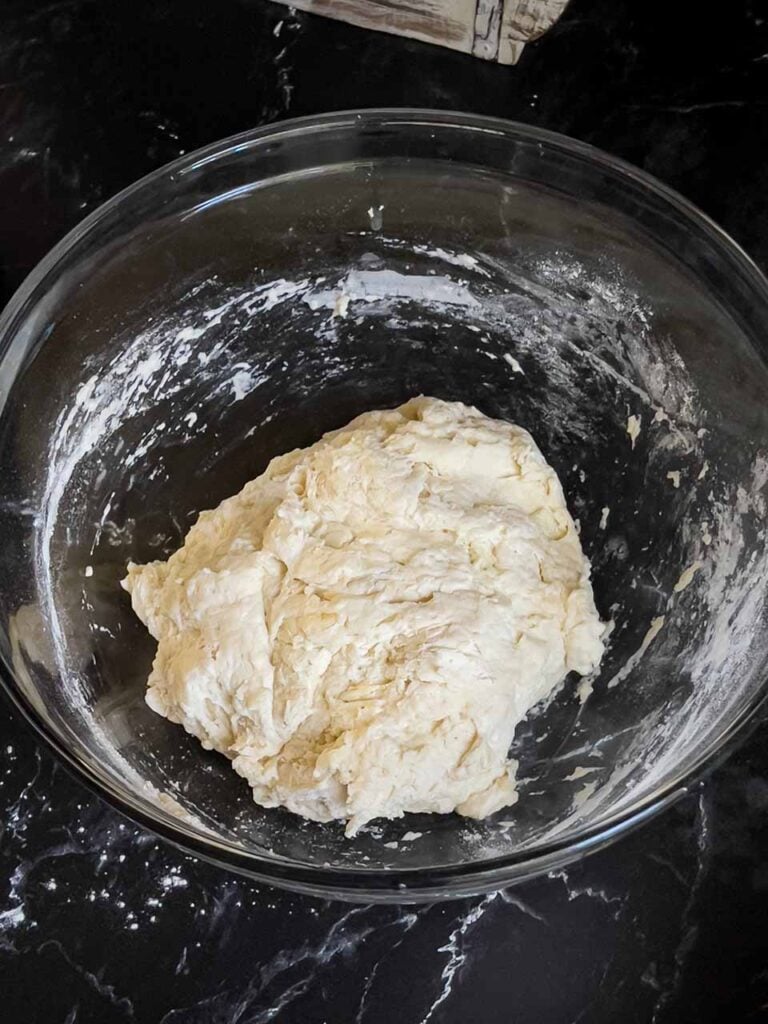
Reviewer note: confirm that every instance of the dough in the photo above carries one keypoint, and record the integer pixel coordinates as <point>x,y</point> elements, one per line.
<point>363,626</point>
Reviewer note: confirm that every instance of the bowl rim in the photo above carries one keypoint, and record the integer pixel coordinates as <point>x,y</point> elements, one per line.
<point>358,882</point>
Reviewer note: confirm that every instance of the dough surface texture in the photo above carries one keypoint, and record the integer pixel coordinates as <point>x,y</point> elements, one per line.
<point>364,625</point>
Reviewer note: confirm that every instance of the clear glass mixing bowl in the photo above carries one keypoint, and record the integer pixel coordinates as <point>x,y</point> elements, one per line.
<point>190,329</point>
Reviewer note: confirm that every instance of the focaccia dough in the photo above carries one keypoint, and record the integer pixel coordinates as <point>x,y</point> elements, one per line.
<point>363,626</point>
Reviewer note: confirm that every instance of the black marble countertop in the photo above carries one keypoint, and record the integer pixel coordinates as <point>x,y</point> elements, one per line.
<point>101,922</point>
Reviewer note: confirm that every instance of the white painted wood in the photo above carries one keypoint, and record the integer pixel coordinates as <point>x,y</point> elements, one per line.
<point>522,21</point>
<point>491,29</point>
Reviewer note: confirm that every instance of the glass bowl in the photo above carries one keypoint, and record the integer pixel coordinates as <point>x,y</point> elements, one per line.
<point>191,329</point>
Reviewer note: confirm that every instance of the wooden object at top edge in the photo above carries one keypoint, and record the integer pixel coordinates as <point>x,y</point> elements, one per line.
<point>491,29</point>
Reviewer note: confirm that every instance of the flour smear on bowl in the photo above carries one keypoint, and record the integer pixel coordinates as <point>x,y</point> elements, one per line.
<point>549,328</point>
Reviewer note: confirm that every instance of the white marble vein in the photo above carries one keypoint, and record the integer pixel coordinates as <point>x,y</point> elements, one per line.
<point>409,920</point>
<point>688,927</point>
<point>120,1003</point>
<point>457,951</point>
<point>344,938</point>
<point>574,891</point>
<point>514,901</point>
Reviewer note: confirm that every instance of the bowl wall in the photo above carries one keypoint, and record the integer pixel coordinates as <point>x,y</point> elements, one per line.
<point>189,331</point>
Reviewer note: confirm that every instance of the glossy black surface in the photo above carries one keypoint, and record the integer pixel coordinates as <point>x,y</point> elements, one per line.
<point>99,921</point>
